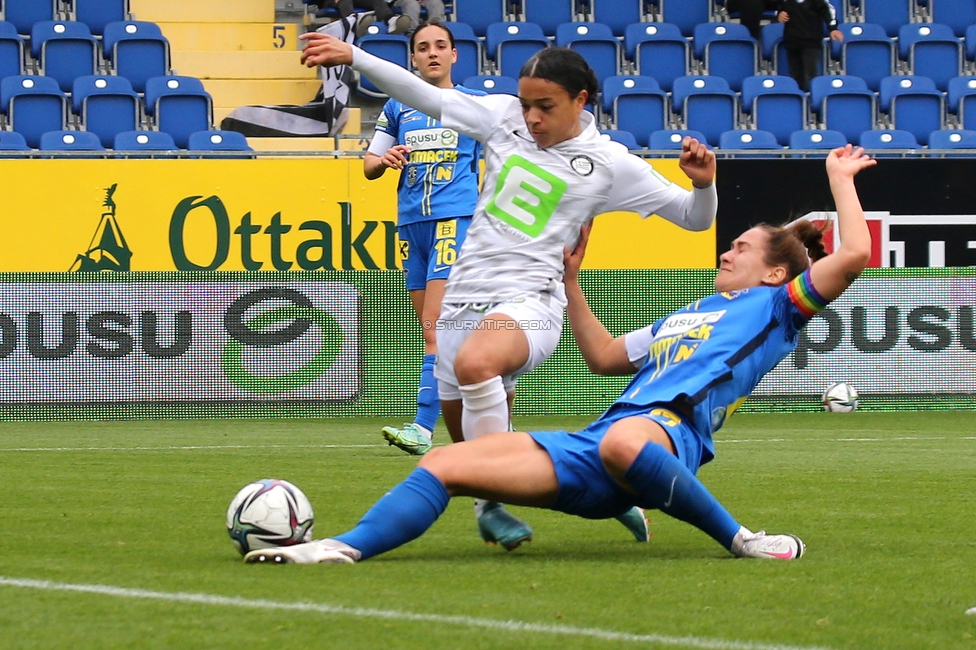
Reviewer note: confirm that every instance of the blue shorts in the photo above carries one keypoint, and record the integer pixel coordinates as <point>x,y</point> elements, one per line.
<point>586,489</point>
<point>429,249</point>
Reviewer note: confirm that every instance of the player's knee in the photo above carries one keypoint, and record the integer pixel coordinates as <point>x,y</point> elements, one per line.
<point>437,461</point>
<point>619,448</point>
<point>473,368</point>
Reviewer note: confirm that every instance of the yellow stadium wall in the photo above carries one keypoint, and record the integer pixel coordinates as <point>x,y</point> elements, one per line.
<point>281,214</point>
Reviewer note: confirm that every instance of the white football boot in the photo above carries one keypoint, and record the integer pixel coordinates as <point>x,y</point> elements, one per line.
<point>320,551</point>
<point>769,547</point>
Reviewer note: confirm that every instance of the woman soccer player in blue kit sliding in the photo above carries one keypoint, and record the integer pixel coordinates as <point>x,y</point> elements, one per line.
<point>692,369</point>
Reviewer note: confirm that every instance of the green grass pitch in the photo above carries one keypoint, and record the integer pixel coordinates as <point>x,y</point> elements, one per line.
<point>112,536</point>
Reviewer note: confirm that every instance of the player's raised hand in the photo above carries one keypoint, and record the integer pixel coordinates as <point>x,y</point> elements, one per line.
<point>573,259</point>
<point>396,156</point>
<point>322,49</point>
<point>697,161</point>
<point>845,162</point>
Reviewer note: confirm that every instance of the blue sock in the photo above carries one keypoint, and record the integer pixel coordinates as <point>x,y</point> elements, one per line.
<point>428,403</point>
<point>663,482</point>
<point>403,514</point>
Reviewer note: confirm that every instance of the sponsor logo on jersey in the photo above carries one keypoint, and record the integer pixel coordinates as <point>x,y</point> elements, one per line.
<point>446,229</point>
<point>526,196</point>
<point>582,165</point>
<point>686,321</point>
<point>425,139</point>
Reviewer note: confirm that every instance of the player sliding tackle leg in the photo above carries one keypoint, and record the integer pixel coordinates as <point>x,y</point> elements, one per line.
<point>547,172</point>
<point>646,448</point>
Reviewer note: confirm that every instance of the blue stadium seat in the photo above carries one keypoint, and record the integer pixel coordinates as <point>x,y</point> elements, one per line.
<point>706,104</point>
<point>772,47</point>
<point>70,141</point>
<point>931,50</point>
<point>65,50</point>
<point>913,104</point>
<point>952,139</point>
<point>480,13</point>
<point>511,44</point>
<point>685,14</point>
<point>137,51</point>
<point>595,42</point>
<point>855,31</point>
<point>962,96</point>
<point>817,139</point>
<point>11,51</point>
<point>470,55</point>
<point>888,139</point>
<point>890,14</point>
<point>99,13</point>
<point>33,105</point>
<point>492,84</point>
<point>617,14</point>
<point>670,139</point>
<point>12,141</point>
<point>549,14</point>
<point>776,104</point>
<point>971,43</point>
<point>390,47</point>
<point>106,105</point>
<point>636,104</point>
<point>625,138</point>
<point>24,13</point>
<point>868,57</point>
<point>727,50</point>
<point>621,84</point>
<point>843,104</point>
<point>957,14</point>
<point>658,50</point>
<point>179,106</point>
<point>144,141</point>
<point>748,139</point>
<point>217,140</point>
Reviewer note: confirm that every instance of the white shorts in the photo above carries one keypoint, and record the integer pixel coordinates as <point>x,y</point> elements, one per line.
<point>539,316</point>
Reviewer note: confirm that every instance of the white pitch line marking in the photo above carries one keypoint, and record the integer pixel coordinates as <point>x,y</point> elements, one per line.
<point>189,447</point>
<point>464,621</point>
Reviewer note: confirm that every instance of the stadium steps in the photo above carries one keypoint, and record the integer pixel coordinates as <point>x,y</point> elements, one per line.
<point>292,144</point>
<point>250,92</point>
<point>239,11</point>
<point>231,37</point>
<point>239,52</point>
<point>281,65</point>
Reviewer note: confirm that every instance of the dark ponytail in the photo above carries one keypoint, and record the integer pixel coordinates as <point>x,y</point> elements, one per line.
<point>794,247</point>
<point>565,67</point>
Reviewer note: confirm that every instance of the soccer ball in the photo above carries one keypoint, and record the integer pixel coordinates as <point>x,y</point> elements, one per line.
<point>269,512</point>
<point>840,398</point>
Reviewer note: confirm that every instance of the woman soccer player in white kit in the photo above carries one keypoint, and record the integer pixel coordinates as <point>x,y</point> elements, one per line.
<point>547,173</point>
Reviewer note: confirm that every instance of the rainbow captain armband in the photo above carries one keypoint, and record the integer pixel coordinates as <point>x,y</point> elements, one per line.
<point>803,294</point>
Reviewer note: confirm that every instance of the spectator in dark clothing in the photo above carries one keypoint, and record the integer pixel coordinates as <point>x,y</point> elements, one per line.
<point>803,33</point>
<point>750,13</point>
<point>382,10</point>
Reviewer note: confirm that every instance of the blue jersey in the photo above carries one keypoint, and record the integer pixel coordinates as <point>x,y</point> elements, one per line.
<point>705,359</point>
<point>441,179</point>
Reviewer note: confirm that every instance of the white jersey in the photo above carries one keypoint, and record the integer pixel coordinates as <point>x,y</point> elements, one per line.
<point>535,200</point>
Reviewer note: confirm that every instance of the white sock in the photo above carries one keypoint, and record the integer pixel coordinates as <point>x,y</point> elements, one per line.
<point>484,408</point>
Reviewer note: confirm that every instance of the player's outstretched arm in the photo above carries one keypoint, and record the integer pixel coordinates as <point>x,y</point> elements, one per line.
<point>831,275</point>
<point>604,354</point>
<point>322,49</point>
